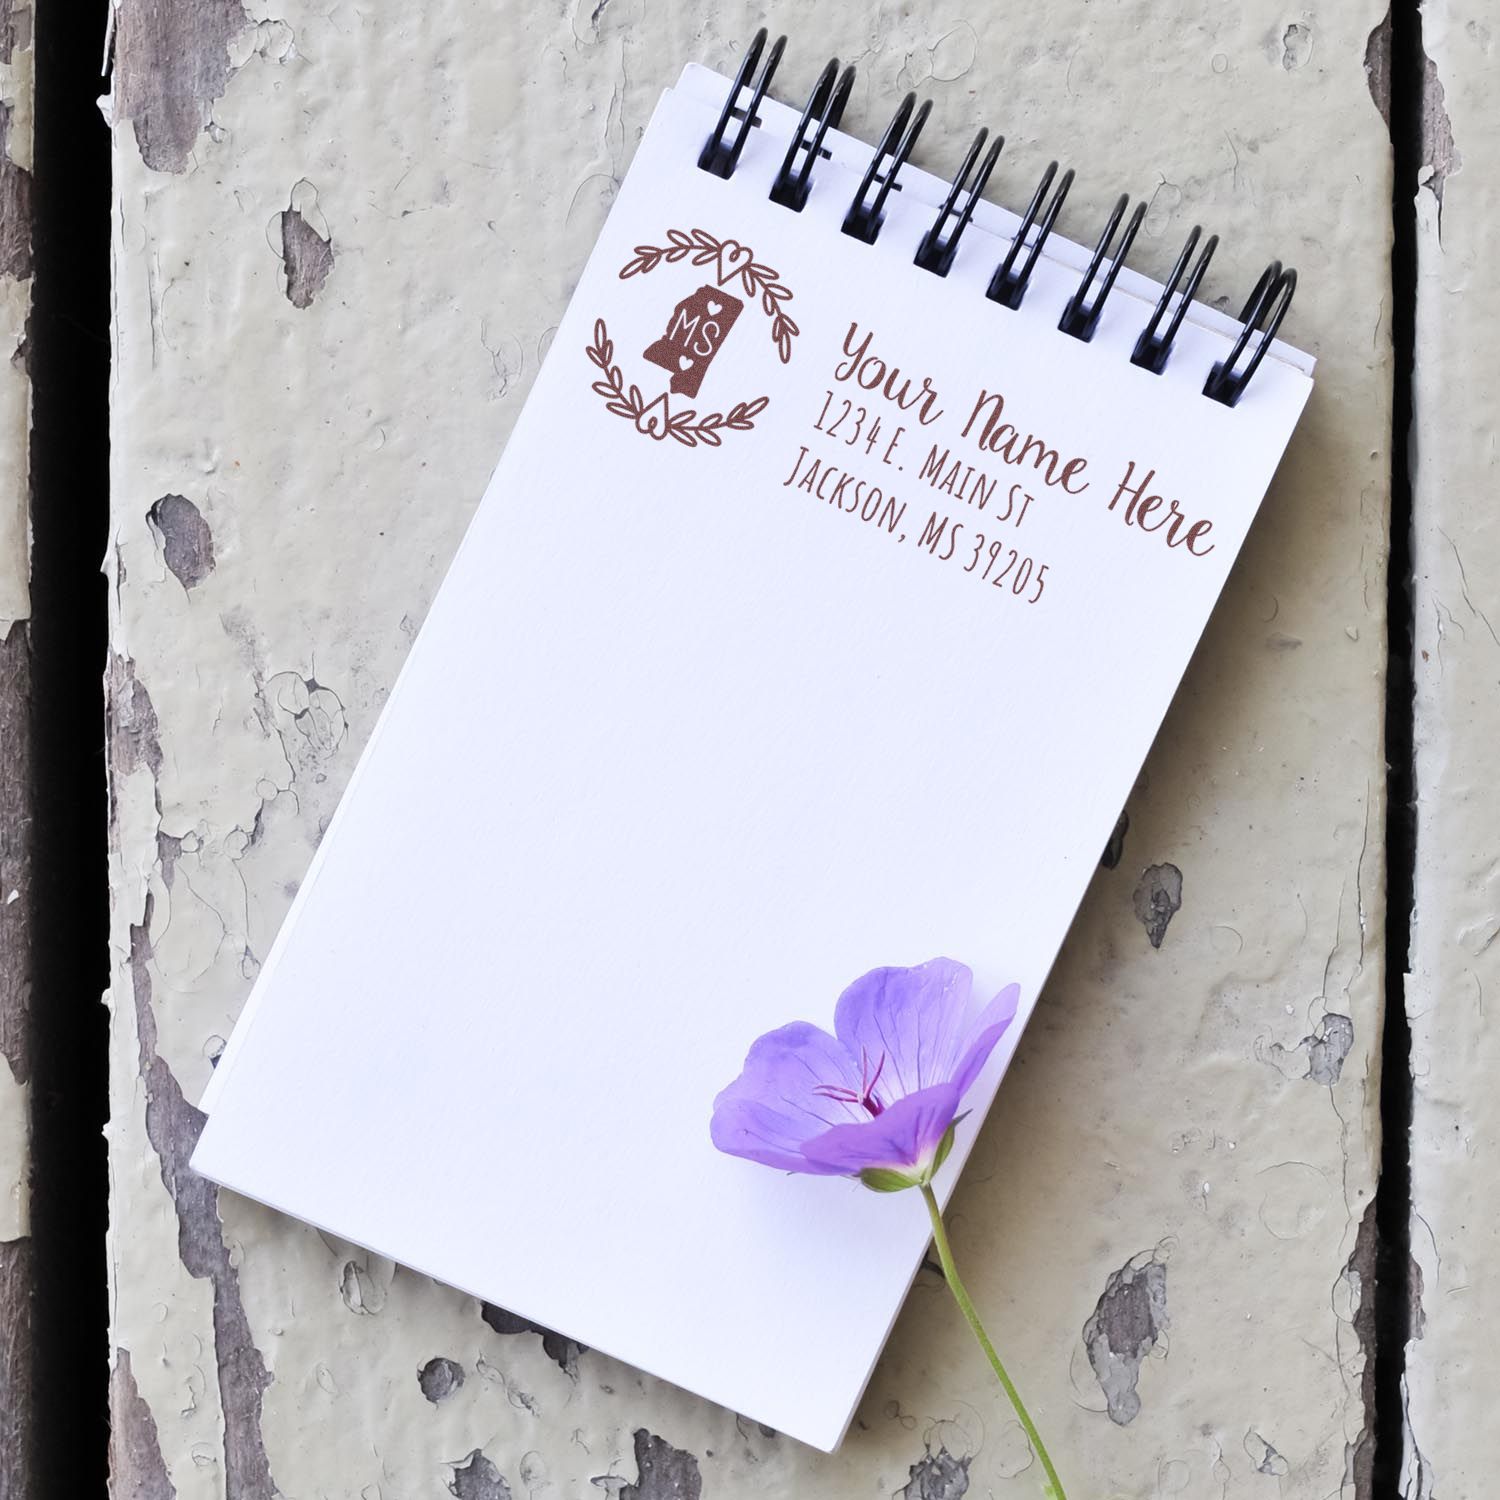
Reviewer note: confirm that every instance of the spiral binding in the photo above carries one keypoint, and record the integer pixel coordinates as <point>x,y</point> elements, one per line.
<point>718,157</point>
<point>937,249</point>
<point>1008,284</point>
<point>1152,348</point>
<point>867,214</point>
<point>1260,319</point>
<point>825,105</point>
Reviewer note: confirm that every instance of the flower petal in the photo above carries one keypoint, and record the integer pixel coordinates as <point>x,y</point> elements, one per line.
<point>910,1023</point>
<point>774,1106</point>
<point>757,1132</point>
<point>905,1135</point>
<point>984,1031</point>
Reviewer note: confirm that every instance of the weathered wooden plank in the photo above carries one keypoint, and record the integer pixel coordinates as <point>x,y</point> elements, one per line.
<point>1452,1443</point>
<point>15,300</point>
<point>338,263</point>
<point>15,757</point>
<point>16,1279</point>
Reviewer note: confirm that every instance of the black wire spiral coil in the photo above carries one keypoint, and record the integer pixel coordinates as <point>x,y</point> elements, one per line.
<point>1260,319</point>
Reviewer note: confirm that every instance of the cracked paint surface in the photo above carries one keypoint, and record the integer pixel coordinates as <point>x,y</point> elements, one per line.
<point>938,1476</point>
<point>1128,1322</point>
<point>16,80</point>
<point>1319,1056</point>
<point>16,1256</point>
<point>334,452</point>
<point>1354,1305</point>
<point>187,545</point>
<point>1157,899</point>
<point>136,1468</point>
<point>1114,850</point>
<point>662,1472</point>
<point>15,205</point>
<point>478,1479</point>
<point>1452,1446</point>
<point>172,1129</point>
<point>171,62</point>
<point>564,1352</point>
<point>440,1378</point>
<point>306,251</point>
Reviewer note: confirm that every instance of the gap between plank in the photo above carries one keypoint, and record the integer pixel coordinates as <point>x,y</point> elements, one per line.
<point>1393,1285</point>
<point>68,353</point>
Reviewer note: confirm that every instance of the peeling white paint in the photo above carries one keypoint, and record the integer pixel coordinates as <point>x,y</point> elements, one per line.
<point>15,1166</point>
<point>1452,1446</point>
<point>16,93</point>
<point>16,124</point>
<point>460,162</point>
<point>162,1315</point>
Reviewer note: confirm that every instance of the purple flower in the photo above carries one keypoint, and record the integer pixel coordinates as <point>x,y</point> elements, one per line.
<point>878,1099</point>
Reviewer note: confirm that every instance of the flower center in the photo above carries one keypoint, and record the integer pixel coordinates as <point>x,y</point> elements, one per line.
<point>864,1096</point>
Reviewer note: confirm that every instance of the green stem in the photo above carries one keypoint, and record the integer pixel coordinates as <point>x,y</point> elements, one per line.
<point>966,1307</point>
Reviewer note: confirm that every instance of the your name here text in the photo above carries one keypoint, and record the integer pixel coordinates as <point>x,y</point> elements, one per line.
<point>872,420</point>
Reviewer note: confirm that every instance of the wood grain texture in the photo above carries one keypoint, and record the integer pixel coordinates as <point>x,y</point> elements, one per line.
<point>16,1442</point>
<point>1452,1443</point>
<point>15,756</point>
<point>342,242</point>
<point>16,1280</point>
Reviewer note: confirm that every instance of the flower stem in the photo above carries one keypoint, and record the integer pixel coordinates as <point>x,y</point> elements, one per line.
<point>1054,1487</point>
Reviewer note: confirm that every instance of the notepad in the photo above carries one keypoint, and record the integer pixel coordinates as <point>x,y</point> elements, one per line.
<point>818,616</point>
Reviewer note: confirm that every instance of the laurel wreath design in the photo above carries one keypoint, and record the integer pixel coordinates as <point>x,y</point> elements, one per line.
<point>686,426</point>
<point>761,281</point>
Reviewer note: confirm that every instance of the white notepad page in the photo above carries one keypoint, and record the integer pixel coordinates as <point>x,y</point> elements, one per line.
<point>695,734</point>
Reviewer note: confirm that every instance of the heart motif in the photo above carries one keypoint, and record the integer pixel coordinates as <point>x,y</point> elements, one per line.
<point>713,308</point>
<point>734,259</point>
<point>684,362</point>
<point>653,420</point>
